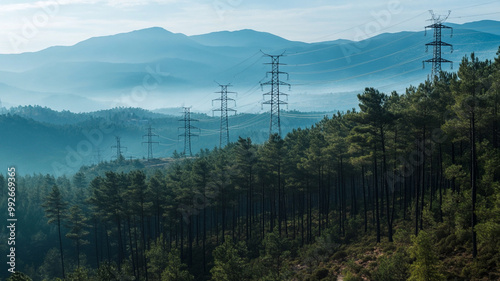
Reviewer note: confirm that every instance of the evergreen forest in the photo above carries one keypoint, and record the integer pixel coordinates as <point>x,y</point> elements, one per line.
<point>405,187</point>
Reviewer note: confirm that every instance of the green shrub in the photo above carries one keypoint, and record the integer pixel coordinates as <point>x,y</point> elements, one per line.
<point>321,273</point>
<point>352,277</point>
<point>392,268</point>
<point>18,276</point>
<point>426,265</point>
<point>339,255</point>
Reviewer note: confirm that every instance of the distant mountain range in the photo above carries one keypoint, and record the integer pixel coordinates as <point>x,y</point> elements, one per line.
<point>154,68</point>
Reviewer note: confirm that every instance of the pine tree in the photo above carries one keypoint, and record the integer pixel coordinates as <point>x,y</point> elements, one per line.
<point>136,198</point>
<point>377,118</point>
<point>246,158</point>
<point>272,154</point>
<point>109,199</point>
<point>80,184</point>
<point>426,266</point>
<point>229,263</point>
<point>276,251</point>
<point>359,146</point>
<point>297,178</point>
<point>337,156</point>
<point>96,212</point>
<point>77,225</point>
<point>469,93</point>
<point>3,184</point>
<point>221,190</point>
<point>157,195</point>
<point>157,256</point>
<point>176,270</point>
<point>314,163</point>
<point>201,178</point>
<point>79,180</point>
<point>55,208</point>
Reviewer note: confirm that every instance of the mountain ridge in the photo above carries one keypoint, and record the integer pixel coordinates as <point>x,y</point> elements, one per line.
<point>108,68</point>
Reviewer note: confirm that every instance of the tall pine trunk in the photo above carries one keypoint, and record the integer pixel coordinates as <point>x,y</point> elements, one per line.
<point>364,197</point>
<point>131,247</point>
<point>60,243</point>
<point>120,242</point>
<point>423,185</point>
<point>473,183</point>
<point>96,242</point>
<point>386,185</point>
<point>375,190</point>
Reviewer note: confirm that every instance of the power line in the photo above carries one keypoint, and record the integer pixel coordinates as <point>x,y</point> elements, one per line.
<point>360,63</point>
<point>476,15</point>
<point>187,130</point>
<point>203,100</point>
<point>248,123</point>
<point>224,126</point>
<point>230,69</point>
<point>476,5</point>
<point>351,42</point>
<point>376,58</point>
<point>163,137</point>
<point>360,75</point>
<point>437,43</point>
<point>390,26</point>
<point>150,142</point>
<point>358,53</point>
<point>274,100</point>
<point>246,68</point>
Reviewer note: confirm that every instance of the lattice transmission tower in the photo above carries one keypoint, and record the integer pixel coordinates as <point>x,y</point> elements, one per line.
<point>150,142</point>
<point>119,147</point>
<point>98,155</point>
<point>275,101</point>
<point>224,124</point>
<point>438,43</point>
<point>188,128</point>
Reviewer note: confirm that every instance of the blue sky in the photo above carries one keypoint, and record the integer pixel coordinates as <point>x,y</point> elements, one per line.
<point>28,25</point>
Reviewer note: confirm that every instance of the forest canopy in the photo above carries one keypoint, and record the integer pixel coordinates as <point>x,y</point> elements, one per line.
<point>406,187</point>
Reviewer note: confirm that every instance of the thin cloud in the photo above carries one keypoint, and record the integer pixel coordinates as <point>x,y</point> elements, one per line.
<point>134,3</point>
<point>41,4</point>
<point>50,3</point>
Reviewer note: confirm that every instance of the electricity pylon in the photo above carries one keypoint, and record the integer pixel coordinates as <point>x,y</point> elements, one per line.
<point>187,130</point>
<point>118,147</point>
<point>98,155</point>
<point>437,43</point>
<point>275,100</point>
<point>224,124</point>
<point>150,142</point>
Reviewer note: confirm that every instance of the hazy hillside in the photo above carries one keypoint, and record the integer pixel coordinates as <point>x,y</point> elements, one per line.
<point>46,141</point>
<point>154,68</point>
<point>488,26</point>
